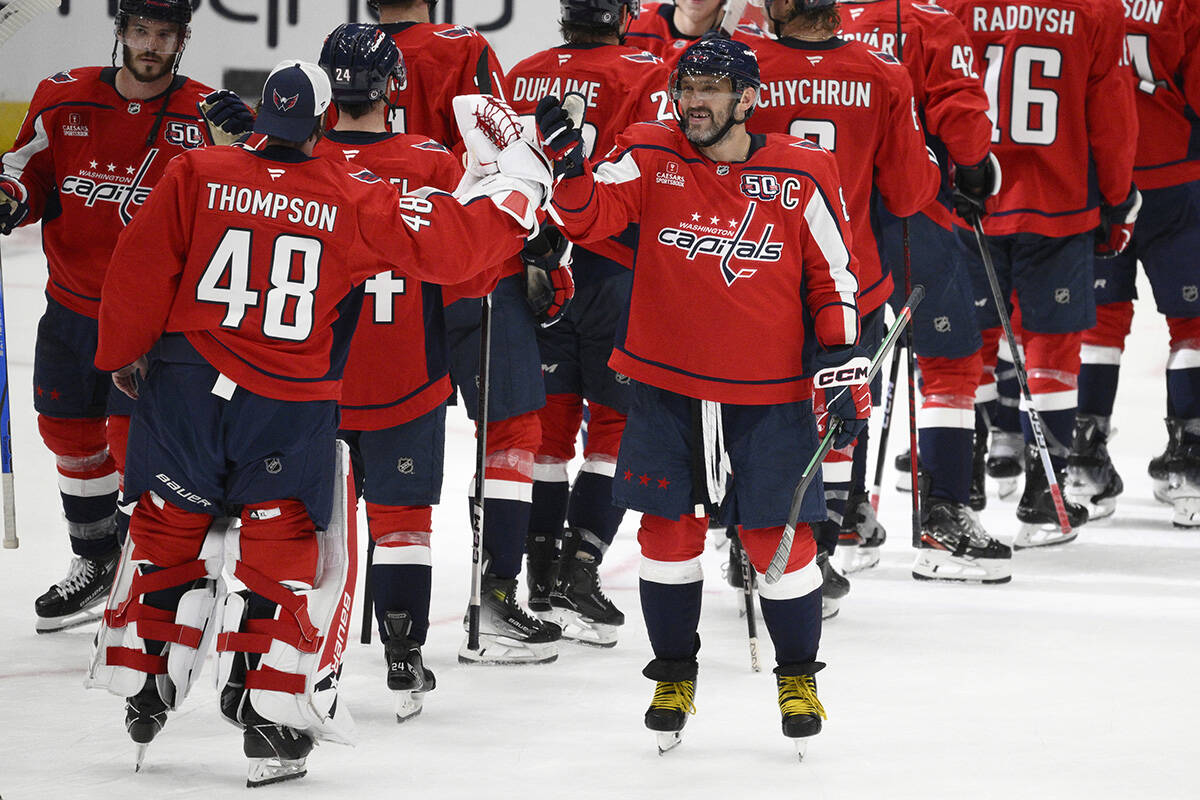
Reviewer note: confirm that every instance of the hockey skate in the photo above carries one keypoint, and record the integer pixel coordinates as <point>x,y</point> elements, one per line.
<point>978,497</point>
<point>276,753</point>
<point>1160,465</point>
<point>862,535</point>
<point>1039,519</point>
<point>508,635</point>
<point>407,675</point>
<point>578,604</point>
<point>954,547</point>
<point>1092,480</point>
<point>1004,461</point>
<point>834,586</point>
<point>541,569</point>
<point>67,604</point>
<point>145,716</point>
<point>674,699</point>
<point>1183,486</point>
<point>798,703</point>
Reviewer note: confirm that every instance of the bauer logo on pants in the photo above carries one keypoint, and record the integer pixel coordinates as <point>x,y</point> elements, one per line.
<point>854,371</point>
<point>1190,293</point>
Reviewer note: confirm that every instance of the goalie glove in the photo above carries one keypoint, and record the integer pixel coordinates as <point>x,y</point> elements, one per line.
<point>549,283</point>
<point>1116,225</point>
<point>560,132</point>
<point>227,117</point>
<point>840,392</point>
<point>14,204</point>
<point>973,185</point>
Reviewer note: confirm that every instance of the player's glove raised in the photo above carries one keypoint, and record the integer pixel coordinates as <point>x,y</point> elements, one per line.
<point>841,393</point>
<point>1116,225</point>
<point>560,132</point>
<point>973,185</point>
<point>549,284</point>
<point>227,117</point>
<point>14,205</point>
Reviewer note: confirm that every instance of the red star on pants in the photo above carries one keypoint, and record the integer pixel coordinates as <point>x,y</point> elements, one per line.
<point>54,395</point>
<point>628,474</point>
<point>663,483</point>
<point>40,391</point>
<point>644,479</point>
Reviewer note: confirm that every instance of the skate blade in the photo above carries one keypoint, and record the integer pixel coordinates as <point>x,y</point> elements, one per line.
<point>66,622</point>
<point>581,630</point>
<point>139,757</point>
<point>502,651</point>
<point>408,704</point>
<point>265,771</point>
<point>668,740</point>
<point>939,565</point>
<point>857,559</point>
<point>801,746</point>
<point>1006,487</point>
<point>1039,534</point>
<point>1185,512</point>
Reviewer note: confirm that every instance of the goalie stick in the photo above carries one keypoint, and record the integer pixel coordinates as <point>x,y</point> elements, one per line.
<point>784,551</point>
<point>14,15</point>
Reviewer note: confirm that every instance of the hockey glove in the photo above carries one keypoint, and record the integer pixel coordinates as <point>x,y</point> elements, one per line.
<point>549,284</point>
<point>560,133</point>
<point>973,185</point>
<point>841,393</point>
<point>227,117</point>
<point>14,205</point>
<point>1116,225</point>
<point>126,378</point>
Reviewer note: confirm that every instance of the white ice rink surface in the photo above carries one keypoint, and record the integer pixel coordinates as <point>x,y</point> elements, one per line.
<point>1077,680</point>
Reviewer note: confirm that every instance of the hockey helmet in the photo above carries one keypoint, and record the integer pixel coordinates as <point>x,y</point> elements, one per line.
<point>375,4</point>
<point>178,11</point>
<point>361,60</point>
<point>600,13</point>
<point>724,58</point>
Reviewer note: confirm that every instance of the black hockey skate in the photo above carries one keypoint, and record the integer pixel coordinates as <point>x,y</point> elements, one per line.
<point>145,716</point>
<point>541,569</point>
<point>674,699</point>
<point>579,605</point>
<point>954,547</point>
<point>834,586</point>
<point>978,497</point>
<point>1160,465</point>
<point>507,634</point>
<point>798,703</point>
<point>407,676</point>
<point>1092,480</point>
<point>862,535</point>
<point>66,604</point>
<point>1183,485</point>
<point>277,753</point>
<point>1036,510</point>
<point>903,465</point>
<point>1004,461</point>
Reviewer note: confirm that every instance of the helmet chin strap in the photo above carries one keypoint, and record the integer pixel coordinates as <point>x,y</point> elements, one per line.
<point>724,129</point>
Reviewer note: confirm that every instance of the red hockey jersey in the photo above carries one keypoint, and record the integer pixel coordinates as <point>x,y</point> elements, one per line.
<point>623,85</point>
<point>89,159</point>
<point>1162,41</point>
<point>858,105</point>
<point>400,314</point>
<point>654,30</point>
<point>1062,109</point>
<point>945,78</point>
<point>254,255</point>
<point>737,267</point>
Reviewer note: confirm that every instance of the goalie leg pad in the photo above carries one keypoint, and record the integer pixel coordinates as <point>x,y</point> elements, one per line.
<point>293,680</point>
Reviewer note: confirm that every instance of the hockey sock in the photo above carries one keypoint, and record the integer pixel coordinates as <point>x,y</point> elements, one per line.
<point>87,482</point>
<point>672,614</point>
<point>508,490</point>
<point>1100,357</point>
<point>592,512</point>
<point>1053,372</point>
<point>1183,370</point>
<point>946,432</point>
<point>672,582</point>
<point>505,523</point>
<point>795,626</point>
<point>548,514</point>
<point>1006,416</point>
<point>401,587</point>
<point>858,472</point>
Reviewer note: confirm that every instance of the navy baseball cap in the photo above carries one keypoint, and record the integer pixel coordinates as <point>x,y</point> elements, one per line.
<point>295,94</point>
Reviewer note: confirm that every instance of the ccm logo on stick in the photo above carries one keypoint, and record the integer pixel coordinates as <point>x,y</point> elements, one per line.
<point>854,371</point>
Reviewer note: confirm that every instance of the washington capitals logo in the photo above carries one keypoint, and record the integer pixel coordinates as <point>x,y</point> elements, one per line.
<point>727,243</point>
<point>284,104</point>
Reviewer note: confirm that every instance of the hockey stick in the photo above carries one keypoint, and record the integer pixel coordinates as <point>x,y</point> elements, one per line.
<point>784,551</point>
<point>1035,419</point>
<point>11,542</point>
<point>734,9</point>
<point>888,404</point>
<point>14,15</point>
<point>748,581</point>
<point>368,604</point>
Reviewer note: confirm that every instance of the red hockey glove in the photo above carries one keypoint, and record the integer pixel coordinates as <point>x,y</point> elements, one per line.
<point>560,134</point>
<point>13,204</point>
<point>841,392</point>
<point>1116,225</point>
<point>549,284</point>
<point>127,377</point>
<point>227,117</point>
<point>973,185</point>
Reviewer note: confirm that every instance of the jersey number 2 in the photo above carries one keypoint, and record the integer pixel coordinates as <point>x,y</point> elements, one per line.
<point>289,305</point>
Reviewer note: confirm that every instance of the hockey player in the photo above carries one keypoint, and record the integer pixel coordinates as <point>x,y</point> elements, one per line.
<point>858,105</point>
<point>618,82</point>
<point>238,281</point>
<point>1161,41</point>
<point>1062,109</point>
<point>444,61</point>
<point>952,104</point>
<point>666,29</point>
<point>743,282</point>
<point>93,145</point>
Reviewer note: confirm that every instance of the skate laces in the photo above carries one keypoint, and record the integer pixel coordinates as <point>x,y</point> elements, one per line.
<point>675,696</point>
<point>78,575</point>
<point>798,696</point>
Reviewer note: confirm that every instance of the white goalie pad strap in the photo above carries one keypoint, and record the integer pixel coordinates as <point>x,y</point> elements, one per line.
<point>120,661</point>
<point>297,687</point>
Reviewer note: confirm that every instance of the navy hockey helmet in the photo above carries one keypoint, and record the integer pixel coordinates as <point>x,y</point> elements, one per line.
<point>178,11</point>
<point>361,61</point>
<point>724,58</point>
<point>375,4</point>
<point>599,13</point>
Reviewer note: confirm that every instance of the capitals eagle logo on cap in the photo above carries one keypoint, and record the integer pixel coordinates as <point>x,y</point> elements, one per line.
<point>284,104</point>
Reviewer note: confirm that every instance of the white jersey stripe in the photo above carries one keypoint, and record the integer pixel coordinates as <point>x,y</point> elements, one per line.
<point>16,160</point>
